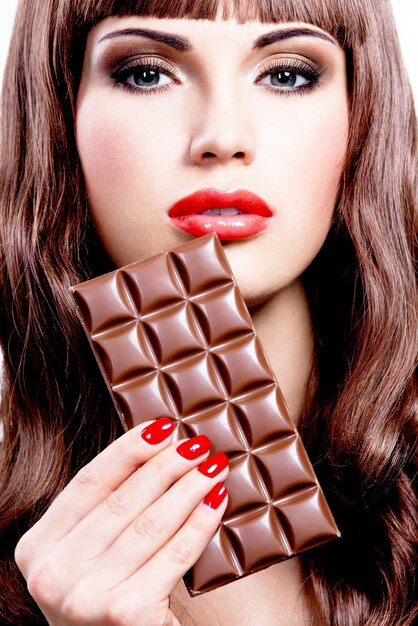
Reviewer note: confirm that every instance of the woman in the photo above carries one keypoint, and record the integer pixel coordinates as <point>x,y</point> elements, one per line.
<point>105,106</point>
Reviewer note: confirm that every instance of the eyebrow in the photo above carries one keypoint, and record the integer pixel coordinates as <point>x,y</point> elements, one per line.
<point>183,44</point>
<point>280,35</point>
<point>174,41</point>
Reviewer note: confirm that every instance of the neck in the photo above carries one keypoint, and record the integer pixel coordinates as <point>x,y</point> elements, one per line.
<point>283,325</point>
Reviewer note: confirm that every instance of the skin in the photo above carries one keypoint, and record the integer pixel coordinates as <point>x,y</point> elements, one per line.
<point>112,529</point>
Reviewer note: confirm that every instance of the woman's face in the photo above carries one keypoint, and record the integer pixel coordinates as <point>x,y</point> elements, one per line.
<point>170,107</point>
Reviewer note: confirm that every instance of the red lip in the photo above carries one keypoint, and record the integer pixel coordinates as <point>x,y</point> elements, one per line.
<point>186,214</point>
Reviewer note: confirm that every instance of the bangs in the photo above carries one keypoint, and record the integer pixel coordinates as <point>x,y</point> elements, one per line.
<point>340,18</point>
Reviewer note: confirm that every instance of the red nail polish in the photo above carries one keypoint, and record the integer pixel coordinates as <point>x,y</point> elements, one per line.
<point>213,465</point>
<point>157,431</point>
<point>215,496</point>
<point>195,447</point>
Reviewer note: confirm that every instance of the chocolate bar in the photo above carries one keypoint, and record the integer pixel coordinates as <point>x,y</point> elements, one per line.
<point>173,337</point>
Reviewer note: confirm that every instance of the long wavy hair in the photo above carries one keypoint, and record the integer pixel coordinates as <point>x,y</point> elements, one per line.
<point>359,418</point>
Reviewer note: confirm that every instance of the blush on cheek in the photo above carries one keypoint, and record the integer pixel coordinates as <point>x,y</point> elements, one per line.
<point>103,152</point>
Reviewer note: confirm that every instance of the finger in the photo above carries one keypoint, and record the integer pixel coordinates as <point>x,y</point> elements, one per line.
<point>151,530</point>
<point>166,568</point>
<point>100,477</point>
<point>146,485</point>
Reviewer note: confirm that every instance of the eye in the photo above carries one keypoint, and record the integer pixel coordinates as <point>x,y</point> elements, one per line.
<point>147,76</point>
<point>285,80</point>
<point>144,76</point>
<point>289,75</point>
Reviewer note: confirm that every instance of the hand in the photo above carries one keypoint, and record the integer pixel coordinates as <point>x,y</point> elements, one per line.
<point>120,536</point>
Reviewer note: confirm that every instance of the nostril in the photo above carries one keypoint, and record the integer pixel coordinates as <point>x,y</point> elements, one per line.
<point>211,155</point>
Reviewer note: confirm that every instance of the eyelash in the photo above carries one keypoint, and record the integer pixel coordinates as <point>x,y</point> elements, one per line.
<point>312,74</point>
<point>156,65</point>
<point>294,66</point>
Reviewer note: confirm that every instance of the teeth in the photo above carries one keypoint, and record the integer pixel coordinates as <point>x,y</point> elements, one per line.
<point>227,211</point>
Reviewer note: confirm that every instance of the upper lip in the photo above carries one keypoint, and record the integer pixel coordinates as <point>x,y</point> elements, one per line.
<point>204,199</point>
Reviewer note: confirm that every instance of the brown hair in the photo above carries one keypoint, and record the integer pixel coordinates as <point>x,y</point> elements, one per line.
<point>359,421</point>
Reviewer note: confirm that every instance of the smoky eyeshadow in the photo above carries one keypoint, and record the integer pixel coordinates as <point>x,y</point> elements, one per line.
<point>118,54</point>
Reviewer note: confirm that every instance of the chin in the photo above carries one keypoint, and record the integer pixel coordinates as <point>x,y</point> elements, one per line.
<point>253,295</point>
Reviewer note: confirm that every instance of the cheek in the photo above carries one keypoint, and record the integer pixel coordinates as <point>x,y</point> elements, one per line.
<point>106,158</point>
<point>323,150</point>
<point>305,151</point>
<point>104,146</point>
<point>309,158</point>
<point>127,167</point>
<point>119,154</point>
<point>317,163</point>
<point>308,147</point>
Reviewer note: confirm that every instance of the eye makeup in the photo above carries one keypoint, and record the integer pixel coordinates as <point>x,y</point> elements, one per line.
<point>148,73</point>
<point>147,70</point>
<point>287,70</point>
<point>144,65</point>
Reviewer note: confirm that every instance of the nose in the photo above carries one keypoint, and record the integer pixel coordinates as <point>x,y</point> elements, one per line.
<point>223,134</point>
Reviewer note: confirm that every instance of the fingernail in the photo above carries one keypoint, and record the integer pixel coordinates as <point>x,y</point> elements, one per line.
<point>157,431</point>
<point>195,447</point>
<point>214,465</point>
<point>216,496</point>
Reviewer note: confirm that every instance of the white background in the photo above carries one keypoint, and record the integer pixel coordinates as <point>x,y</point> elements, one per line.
<point>406,13</point>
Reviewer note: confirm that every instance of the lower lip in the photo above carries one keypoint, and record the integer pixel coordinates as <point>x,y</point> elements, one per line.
<point>225,226</point>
